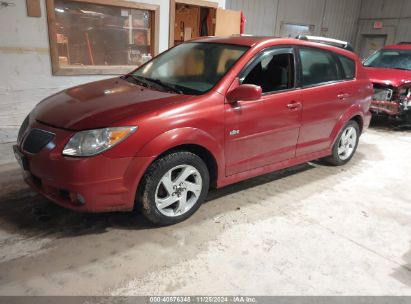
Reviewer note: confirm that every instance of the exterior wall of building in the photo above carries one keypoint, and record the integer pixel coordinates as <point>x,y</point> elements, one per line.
<point>395,16</point>
<point>330,18</point>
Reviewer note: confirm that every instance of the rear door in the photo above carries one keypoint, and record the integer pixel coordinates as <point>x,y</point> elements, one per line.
<point>325,97</point>
<point>264,131</point>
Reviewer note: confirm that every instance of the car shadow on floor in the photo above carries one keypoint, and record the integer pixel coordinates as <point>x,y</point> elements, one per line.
<point>75,241</point>
<point>384,124</point>
<point>24,212</point>
<point>403,272</point>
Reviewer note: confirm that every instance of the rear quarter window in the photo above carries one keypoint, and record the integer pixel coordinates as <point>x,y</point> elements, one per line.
<point>348,66</point>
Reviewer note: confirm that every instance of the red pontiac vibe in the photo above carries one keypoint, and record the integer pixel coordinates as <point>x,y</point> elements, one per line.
<point>390,72</point>
<point>206,113</point>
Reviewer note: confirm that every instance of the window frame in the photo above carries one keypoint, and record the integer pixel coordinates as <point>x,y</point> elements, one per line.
<point>57,70</point>
<point>342,67</point>
<point>265,52</point>
<point>340,70</point>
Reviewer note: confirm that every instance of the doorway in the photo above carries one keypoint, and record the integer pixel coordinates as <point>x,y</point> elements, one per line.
<point>371,43</point>
<point>191,19</point>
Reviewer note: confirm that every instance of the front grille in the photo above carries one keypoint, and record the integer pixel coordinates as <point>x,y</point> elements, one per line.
<point>36,140</point>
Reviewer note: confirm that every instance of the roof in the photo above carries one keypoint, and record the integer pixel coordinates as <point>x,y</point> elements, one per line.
<point>400,46</point>
<point>270,40</point>
<point>330,41</point>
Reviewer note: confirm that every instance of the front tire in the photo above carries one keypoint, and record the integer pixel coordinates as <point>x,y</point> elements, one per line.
<point>345,146</point>
<point>173,188</point>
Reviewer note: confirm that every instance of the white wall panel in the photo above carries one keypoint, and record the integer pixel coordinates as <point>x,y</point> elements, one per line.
<point>341,18</point>
<point>264,17</point>
<point>306,12</point>
<point>406,10</point>
<point>395,16</point>
<point>260,15</point>
<point>404,30</point>
<point>381,8</point>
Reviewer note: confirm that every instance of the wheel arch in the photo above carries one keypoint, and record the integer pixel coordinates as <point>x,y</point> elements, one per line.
<point>201,152</point>
<point>360,120</point>
<point>192,140</point>
<point>354,113</point>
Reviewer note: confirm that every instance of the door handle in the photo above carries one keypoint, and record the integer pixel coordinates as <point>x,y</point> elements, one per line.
<point>294,105</point>
<point>343,96</point>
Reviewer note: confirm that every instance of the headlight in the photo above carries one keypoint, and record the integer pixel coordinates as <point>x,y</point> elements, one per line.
<point>405,92</point>
<point>382,94</point>
<point>92,142</point>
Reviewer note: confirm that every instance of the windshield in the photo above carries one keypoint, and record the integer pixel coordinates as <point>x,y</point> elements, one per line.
<point>390,59</point>
<point>190,68</point>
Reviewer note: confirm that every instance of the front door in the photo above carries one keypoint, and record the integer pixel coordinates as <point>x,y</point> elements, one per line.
<point>264,131</point>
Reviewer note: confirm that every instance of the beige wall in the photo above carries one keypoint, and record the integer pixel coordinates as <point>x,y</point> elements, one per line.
<point>394,14</point>
<point>330,18</point>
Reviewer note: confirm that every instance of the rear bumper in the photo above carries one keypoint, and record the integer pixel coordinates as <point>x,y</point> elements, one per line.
<point>93,184</point>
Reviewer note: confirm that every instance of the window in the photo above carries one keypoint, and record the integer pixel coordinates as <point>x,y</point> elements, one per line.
<point>272,71</point>
<point>391,59</point>
<point>111,37</point>
<point>318,66</point>
<point>348,66</point>
<point>190,68</point>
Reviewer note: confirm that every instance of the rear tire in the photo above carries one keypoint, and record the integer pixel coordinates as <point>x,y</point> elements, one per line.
<point>345,146</point>
<point>173,188</point>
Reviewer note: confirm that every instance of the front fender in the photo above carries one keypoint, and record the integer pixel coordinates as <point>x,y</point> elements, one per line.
<point>184,136</point>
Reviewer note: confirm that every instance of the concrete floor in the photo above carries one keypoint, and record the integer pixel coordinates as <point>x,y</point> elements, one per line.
<point>311,230</point>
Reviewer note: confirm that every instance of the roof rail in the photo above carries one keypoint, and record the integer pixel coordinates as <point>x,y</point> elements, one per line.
<point>334,42</point>
<point>404,42</point>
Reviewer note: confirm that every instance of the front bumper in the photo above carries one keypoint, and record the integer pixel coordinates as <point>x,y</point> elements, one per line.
<point>385,107</point>
<point>92,184</point>
<point>391,109</point>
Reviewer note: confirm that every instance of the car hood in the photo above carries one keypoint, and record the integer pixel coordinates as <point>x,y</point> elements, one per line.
<point>100,104</point>
<point>393,77</point>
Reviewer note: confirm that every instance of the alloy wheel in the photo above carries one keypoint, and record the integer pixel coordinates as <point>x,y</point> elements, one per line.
<point>178,190</point>
<point>347,143</point>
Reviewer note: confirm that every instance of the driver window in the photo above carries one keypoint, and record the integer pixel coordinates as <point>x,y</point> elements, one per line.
<point>273,72</point>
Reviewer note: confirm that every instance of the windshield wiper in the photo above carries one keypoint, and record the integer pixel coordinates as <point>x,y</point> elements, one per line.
<point>160,83</point>
<point>137,80</point>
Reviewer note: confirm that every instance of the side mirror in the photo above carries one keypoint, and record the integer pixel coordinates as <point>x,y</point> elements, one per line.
<point>246,92</point>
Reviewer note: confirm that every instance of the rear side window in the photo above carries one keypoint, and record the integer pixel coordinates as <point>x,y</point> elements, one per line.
<point>348,67</point>
<point>318,66</point>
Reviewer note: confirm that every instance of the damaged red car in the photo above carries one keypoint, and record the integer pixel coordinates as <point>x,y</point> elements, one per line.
<point>389,70</point>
